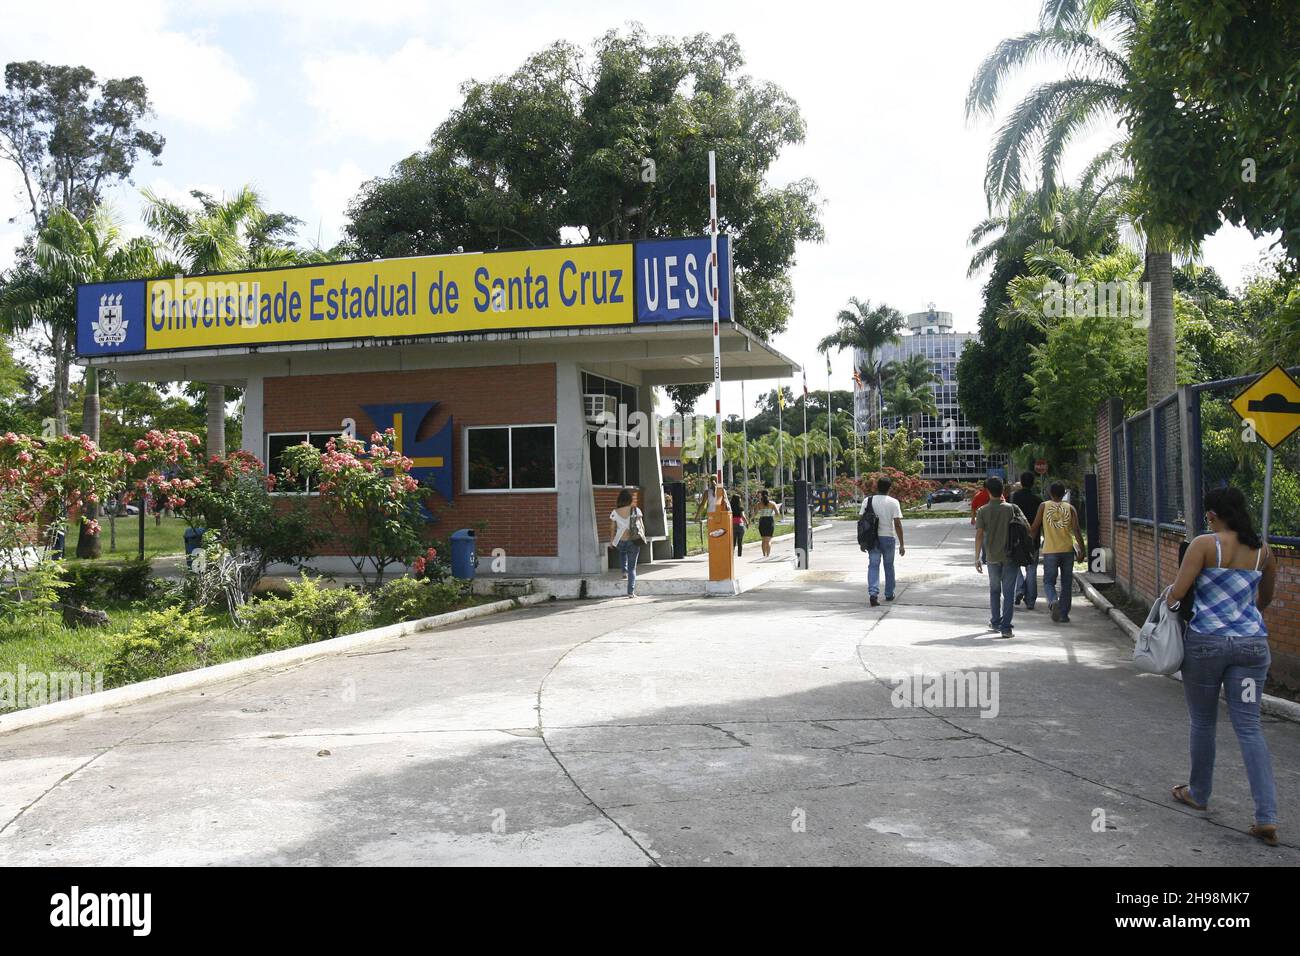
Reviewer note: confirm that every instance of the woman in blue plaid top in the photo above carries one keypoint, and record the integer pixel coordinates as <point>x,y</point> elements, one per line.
<point>1230,574</point>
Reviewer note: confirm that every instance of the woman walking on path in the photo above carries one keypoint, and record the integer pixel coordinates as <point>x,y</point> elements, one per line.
<point>766,514</point>
<point>624,534</point>
<point>1231,573</point>
<point>737,523</point>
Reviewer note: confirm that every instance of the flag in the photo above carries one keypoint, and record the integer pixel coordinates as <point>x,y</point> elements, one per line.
<point>857,380</point>
<point>828,364</point>
<point>805,383</point>
<point>780,397</point>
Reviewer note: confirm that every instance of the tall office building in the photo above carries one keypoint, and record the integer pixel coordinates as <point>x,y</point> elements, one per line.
<point>952,445</point>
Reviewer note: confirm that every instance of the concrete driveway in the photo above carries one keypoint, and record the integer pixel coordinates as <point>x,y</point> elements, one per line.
<point>760,729</point>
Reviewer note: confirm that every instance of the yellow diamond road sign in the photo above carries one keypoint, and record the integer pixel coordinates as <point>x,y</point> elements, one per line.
<point>1271,405</point>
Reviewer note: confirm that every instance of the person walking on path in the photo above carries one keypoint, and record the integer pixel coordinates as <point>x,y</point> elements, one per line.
<point>1231,574</point>
<point>625,523</point>
<point>738,523</point>
<point>766,514</point>
<point>1027,577</point>
<point>978,501</point>
<point>889,515</point>
<point>1057,520</point>
<point>992,533</point>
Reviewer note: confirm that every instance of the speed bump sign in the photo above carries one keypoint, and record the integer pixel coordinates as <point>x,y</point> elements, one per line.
<point>1271,406</point>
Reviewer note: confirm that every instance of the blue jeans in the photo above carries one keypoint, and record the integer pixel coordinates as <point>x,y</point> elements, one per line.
<point>628,553</point>
<point>1027,584</point>
<point>1063,562</point>
<point>884,549</point>
<point>1002,586</point>
<point>1239,665</point>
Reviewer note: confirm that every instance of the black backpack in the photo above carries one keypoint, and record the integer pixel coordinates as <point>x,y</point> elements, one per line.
<point>868,528</point>
<point>1020,550</point>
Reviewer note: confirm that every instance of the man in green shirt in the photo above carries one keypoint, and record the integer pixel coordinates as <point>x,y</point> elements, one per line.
<point>992,529</point>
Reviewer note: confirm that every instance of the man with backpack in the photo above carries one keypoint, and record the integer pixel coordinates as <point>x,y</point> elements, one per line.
<point>879,515</point>
<point>1002,536</point>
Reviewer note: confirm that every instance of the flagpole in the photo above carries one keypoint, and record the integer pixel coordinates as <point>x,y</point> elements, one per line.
<point>780,439</point>
<point>804,436</point>
<point>744,444</point>
<point>716,283</point>
<point>857,470</point>
<point>830,450</point>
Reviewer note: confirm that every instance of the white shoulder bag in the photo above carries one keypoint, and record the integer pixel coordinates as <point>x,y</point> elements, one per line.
<point>1159,647</point>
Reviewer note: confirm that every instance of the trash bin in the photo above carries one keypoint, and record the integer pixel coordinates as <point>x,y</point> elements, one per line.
<point>463,558</point>
<point>193,541</point>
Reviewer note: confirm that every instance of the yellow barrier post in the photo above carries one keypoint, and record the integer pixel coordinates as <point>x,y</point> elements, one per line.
<point>722,552</point>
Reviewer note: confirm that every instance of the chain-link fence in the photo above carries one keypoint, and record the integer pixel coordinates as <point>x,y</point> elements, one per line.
<point>1155,470</point>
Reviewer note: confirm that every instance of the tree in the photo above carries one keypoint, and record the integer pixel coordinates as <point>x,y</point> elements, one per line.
<point>1214,133</point>
<point>1098,85</point>
<point>865,329</point>
<point>1082,220</point>
<point>223,235</point>
<point>41,291</point>
<point>69,136</point>
<point>613,143</point>
<point>905,401</point>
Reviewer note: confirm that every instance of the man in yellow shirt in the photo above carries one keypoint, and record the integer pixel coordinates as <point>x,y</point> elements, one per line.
<point>1058,520</point>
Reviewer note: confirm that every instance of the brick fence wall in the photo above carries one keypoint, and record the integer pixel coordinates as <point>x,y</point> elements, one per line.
<point>1282,617</point>
<point>523,524</point>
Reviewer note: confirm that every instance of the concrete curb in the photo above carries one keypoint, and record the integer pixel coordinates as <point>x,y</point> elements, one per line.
<point>1276,706</point>
<point>91,705</point>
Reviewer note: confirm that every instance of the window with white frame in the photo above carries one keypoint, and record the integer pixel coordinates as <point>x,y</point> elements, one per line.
<point>509,458</point>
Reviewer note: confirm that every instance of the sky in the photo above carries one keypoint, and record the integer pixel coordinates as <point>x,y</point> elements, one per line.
<point>307,99</point>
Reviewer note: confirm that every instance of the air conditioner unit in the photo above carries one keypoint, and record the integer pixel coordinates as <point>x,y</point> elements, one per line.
<point>599,408</point>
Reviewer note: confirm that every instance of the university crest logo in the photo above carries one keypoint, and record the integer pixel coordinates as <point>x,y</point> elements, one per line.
<point>110,328</point>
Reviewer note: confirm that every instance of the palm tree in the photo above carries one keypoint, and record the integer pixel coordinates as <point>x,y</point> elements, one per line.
<point>1083,219</point>
<point>1044,122</point>
<point>905,401</point>
<point>868,330</point>
<point>42,290</point>
<point>222,235</point>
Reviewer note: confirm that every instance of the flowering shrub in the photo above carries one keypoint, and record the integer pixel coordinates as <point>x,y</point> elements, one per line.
<point>42,482</point>
<point>370,498</point>
<point>908,489</point>
<point>231,497</point>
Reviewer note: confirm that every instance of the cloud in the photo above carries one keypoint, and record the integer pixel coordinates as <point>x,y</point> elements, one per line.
<point>191,79</point>
<point>331,191</point>
<point>398,98</point>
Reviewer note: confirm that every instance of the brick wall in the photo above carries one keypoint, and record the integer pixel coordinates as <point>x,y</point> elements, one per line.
<point>1282,617</point>
<point>523,524</point>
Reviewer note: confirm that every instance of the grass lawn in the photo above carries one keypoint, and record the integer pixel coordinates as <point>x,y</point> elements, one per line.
<point>161,536</point>
<point>89,650</point>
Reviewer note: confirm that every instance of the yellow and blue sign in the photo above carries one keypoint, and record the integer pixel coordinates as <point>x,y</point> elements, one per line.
<point>430,457</point>
<point>592,285</point>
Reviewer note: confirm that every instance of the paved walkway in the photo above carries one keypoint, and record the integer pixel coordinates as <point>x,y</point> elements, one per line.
<point>754,729</point>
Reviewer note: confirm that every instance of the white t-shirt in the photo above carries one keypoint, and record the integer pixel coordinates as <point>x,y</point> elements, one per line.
<point>887,509</point>
<point>621,523</point>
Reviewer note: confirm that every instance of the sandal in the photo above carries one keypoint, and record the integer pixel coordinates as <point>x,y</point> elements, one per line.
<point>1183,794</point>
<point>1264,831</point>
